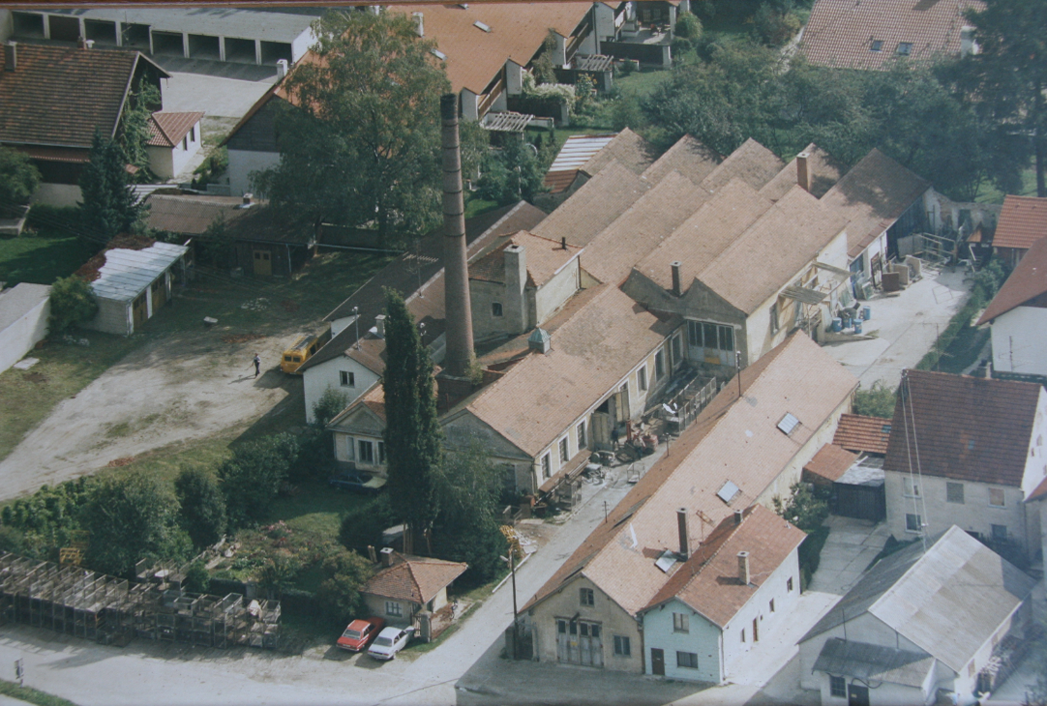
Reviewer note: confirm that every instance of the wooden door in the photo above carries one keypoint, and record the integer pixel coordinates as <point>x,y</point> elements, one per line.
<point>561,641</point>
<point>756,629</point>
<point>857,695</point>
<point>657,662</point>
<point>263,263</point>
<point>595,646</point>
<point>140,311</point>
<point>159,293</point>
<point>585,649</point>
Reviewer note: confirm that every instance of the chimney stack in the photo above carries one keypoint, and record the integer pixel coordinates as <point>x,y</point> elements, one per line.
<point>677,284</point>
<point>737,517</point>
<point>387,556</point>
<point>11,56</point>
<point>419,22</point>
<point>681,526</point>
<point>281,68</point>
<point>459,357</point>
<point>379,325</point>
<point>803,177</point>
<point>743,568</point>
<point>563,243</point>
<point>516,314</point>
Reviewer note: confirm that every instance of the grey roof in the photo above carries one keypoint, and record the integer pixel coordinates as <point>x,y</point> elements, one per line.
<point>867,471</point>
<point>20,299</point>
<point>210,21</point>
<point>128,273</point>
<point>948,601</point>
<point>842,658</point>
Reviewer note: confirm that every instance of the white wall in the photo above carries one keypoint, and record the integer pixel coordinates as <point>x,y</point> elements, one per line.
<point>21,334</point>
<point>554,293</point>
<point>1019,339</point>
<point>301,44</point>
<point>318,378</point>
<point>242,163</point>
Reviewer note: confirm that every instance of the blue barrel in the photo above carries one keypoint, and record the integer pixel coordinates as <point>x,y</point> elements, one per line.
<point>837,324</point>
<point>857,326</point>
<point>867,312</point>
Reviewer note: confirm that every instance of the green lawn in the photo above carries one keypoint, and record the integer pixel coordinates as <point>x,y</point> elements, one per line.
<point>641,84</point>
<point>988,193</point>
<point>41,259</point>
<point>31,695</point>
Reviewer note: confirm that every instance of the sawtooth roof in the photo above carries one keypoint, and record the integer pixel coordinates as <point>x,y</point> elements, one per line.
<point>730,441</point>
<point>59,96</point>
<point>414,579</point>
<point>688,157</point>
<point>751,162</point>
<point>822,174</point>
<point>862,434</point>
<point>627,148</point>
<point>1023,221</point>
<point>948,601</point>
<point>543,257</point>
<point>872,196</point>
<point>967,428</point>
<point>1026,285</point>
<point>708,581</point>
<point>840,33</point>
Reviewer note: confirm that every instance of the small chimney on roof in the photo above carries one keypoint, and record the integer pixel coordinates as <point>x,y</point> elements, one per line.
<point>11,56</point>
<point>681,526</point>
<point>419,22</point>
<point>803,176</point>
<point>743,568</point>
<point>563,243</point>
<point>539,341</point>
<point>677,284</point>
<point>281,68</point>
<point>386,555</point>
<point>379,325</point>
<point>737,517</point>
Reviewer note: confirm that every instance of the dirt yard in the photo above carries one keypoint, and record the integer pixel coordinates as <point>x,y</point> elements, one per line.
<point>172,389</point>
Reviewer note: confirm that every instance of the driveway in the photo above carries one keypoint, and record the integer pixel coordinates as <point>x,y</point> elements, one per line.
<point>903,327</point>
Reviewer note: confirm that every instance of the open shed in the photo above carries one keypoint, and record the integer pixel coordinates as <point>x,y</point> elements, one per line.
<point>133,284</point>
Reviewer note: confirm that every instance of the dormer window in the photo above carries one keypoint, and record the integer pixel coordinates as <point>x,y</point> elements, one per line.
<point>904,48</point>
<point>876,45</point>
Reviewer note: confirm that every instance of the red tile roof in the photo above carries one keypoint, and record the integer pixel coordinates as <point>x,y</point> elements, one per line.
<point>863,434</point>
<point>830,463</point>
<point>1028,282</point>
<point>966,428</point>
<point>1023,221</point>
<point>168,129</point>
<point>59,96</point>
<point>414,579</point>
<point>1039,493</point>
<point>841,33</point>
<point>708,581</point>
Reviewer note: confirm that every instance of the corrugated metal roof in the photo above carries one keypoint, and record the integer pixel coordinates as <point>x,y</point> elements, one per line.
<point>577,150</point>
<point>859,659</point>
<point>210,21</point>
<point>128,273</point>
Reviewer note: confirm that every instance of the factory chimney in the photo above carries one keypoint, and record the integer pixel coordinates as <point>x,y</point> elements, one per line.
<point>459,357</point>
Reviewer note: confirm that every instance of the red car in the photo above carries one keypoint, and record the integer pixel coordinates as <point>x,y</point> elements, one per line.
<point>359,633</point>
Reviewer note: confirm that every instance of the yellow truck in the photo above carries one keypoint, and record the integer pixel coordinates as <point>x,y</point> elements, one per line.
<point>303,349</point>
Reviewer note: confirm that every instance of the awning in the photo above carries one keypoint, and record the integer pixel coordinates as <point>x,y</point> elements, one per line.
<point>592,62</point>
<point>571,469</point>
<point>830,268</point>
<point>506,122</point>
<point>804,295</point>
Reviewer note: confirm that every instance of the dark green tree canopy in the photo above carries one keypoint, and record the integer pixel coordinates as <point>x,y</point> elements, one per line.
<point>18,180</point>
<point>360,139</point>
<point>202,506</point>
<point>108,207</point>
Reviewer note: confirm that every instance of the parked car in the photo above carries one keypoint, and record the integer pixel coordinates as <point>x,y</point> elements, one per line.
<point>356,482</point>
<point>389,642</point>
<point>359,634</point>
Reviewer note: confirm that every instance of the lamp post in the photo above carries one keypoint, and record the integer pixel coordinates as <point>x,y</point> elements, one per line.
<point>514,543</point>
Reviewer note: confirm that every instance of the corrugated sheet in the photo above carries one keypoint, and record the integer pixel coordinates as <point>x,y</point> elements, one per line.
<point>128,273</point>
<point>843,658</point>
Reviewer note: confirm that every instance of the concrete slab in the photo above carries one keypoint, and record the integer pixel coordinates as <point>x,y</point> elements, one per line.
<point>214,95</point>
<point>850,548</point>
<point>906,326</point>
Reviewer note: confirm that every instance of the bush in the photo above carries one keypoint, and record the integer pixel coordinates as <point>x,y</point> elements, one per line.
<point>251,479</point>
<point>338,598</point>
<point>877,401</point>
<point>12,540</point>
<point>197,579</point>
<point>72,303</point>
<point>330,404</point>
<point>18,180</point>
<point>363,526</point>
<point>202,506</point>
<point>53,220</point>
<point>775,28</point>
<point>810,552</point>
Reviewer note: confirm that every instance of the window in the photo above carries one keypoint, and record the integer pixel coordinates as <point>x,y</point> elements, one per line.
<point>708,335</point>
<point>996,498</point>
<point>910,487</point>
<point>381,452</point>
<point>659,364</point>
<point>622,648</point>
<point>393,608</point>
<point>954,493</point>
<point>546,467</point>
<point>677,349</point>
<point>999,532</point>
<point>366,451</point>
<point>347,378</point>
<point>772,605</point>
<point>789,584</point>
<point>774,318</point>
<point>192,134</point>
<point>912,523</point>
<point>876,45</point>
<point>681,622</point>
<point>185,144</point>
<point>641,378</point>
<point>496,309</point>
<point>563,451</point>
<point>743,635</point>
<point>561,627</point>
<point>688,660</point>
<point>582,441</point>
<point>904,48</point>
<point>585,596</point>
<point>838,687</point>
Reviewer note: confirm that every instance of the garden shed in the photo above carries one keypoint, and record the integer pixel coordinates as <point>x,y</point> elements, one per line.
<point>132,284</point>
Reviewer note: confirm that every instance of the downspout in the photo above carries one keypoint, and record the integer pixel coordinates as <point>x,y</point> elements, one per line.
<point>643,648</point>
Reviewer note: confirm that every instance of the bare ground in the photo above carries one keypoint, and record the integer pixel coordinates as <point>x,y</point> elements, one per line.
<point>171,390</point>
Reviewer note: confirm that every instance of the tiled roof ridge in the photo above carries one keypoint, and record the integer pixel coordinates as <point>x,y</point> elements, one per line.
<point>414,580</point>
<point>152,117</point>
<point>1017,290</point>
<point>733,528</point>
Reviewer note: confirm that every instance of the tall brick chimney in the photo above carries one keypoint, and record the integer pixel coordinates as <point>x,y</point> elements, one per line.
<point>459,357</point>
<point>803,176</point>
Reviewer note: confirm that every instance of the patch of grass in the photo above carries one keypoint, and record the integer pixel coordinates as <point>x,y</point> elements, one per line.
<point>475,206</point>
<point>167,462</point>
<point>640,84</point>
<point>988,193</point>
<point>41,259</point>
<point>316,509</point>
<point>964,350</point>
<point>31,695</point>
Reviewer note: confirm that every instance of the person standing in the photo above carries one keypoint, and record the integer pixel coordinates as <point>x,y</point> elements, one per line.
<point>257,365</point>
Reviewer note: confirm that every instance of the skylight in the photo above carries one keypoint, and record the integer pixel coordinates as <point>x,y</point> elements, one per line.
<point>904,48</point>
<point>728,492</point>
<point>481,25</point>
<point>666,561</point>
<point>788,424</point>
<point>876,45</point>
<point>438,54</point>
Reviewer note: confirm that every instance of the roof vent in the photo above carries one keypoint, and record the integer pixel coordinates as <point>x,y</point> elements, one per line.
<point>728,492</point>
<point>419,23</point>
<point>480,25</point>
<point>666,561</point>
<point>744,577</point>
<point>439,54</point>
<point>788,424</point>
<point>539,341</point>
<point>11,56</point>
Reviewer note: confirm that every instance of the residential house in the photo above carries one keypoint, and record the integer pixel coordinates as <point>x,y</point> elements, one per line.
<point>24,310</point>
<point>921,624</point>
<point>174,138</point>
<point>56,98</point>
<point>1018,319</point>
<point>351,362</point>
<point>251,239</point>
<point>131,283</point>
<point>966,451</point>
<point>875,33</point>
<point>748,446</point>
<point>408,585</point>
<point>228,34</point>
<point>1023,221</point>
<point>728,595</point>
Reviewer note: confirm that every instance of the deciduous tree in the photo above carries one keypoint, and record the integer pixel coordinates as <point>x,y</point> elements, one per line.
<point>202,506</point>
<point>18,180</point>
<point>251,479</point>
